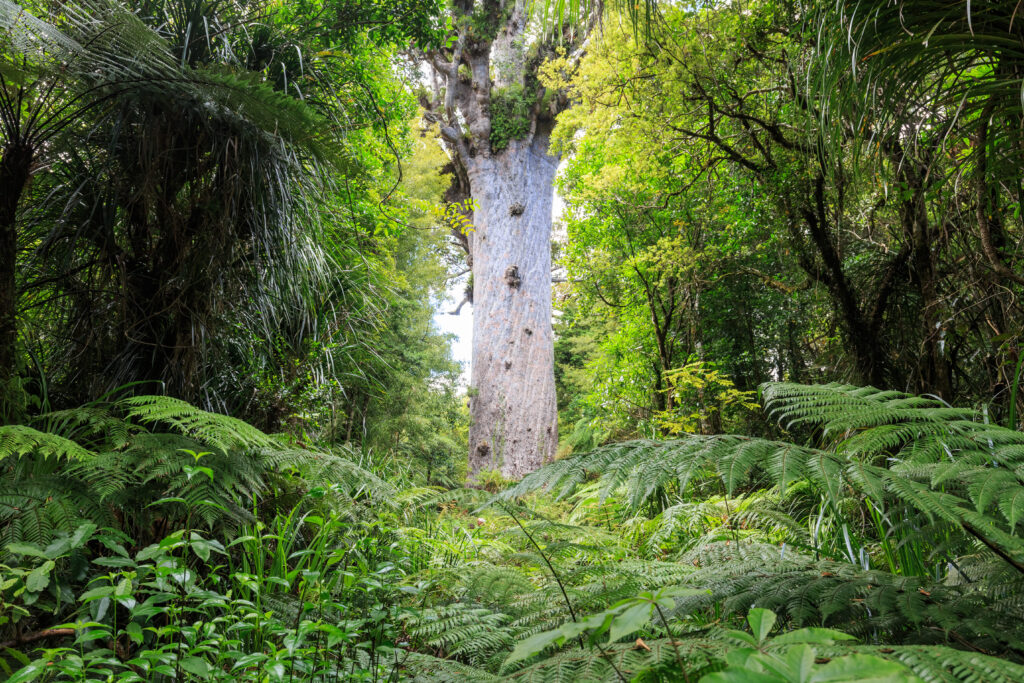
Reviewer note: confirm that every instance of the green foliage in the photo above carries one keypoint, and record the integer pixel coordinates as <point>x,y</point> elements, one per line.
<point>303,598</point>
<point>643,572</point>
<point>621,619</point>
<point>492,481</point>
<point>909,461</point>
<point>219,185</point>
<point>455,216</point>
<point>113,465</point>
<point>796,661</point>
<point>945,463</point>
<point>510,115</point>
<point>777,213</point>
<point>698,397</point>
<point>486,19</point>
<point>245,184</point>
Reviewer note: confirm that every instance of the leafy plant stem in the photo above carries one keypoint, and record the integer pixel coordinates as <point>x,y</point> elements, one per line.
<point>561,587</point>
<point>672,640</point>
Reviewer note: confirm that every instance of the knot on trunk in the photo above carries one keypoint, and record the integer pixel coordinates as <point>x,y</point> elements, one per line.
<point>516,209</point>
<point>512,277</point>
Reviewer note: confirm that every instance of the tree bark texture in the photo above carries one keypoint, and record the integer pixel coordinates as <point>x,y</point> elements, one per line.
<point>495,119</point>
<point>514,413</point>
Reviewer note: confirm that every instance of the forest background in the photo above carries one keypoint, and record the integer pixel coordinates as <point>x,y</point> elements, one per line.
<point>234,441</point>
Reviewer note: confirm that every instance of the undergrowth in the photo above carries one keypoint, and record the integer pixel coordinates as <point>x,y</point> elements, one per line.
<point>879,541</point>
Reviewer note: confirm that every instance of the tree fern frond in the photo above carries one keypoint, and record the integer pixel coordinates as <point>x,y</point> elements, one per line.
<point>19,440</point>
<point>215,430</point>
<point>92,424</point>
<point>840,595</point>
<point>592,664</point>
<point>427,669</point>
<point>325,468</point>
<point>464,630</point>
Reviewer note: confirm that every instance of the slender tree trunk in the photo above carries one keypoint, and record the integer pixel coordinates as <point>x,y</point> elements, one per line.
<point>513,409</point>
<point>15,168</point>
<point>935,367</point>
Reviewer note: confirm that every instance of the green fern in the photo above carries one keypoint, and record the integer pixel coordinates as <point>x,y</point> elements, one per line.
<point>936,478</point>
<point>889,447</point>
<point>218,431</point>
<point>866,603</point>
<point>19,440</point>
<point>49,483</point>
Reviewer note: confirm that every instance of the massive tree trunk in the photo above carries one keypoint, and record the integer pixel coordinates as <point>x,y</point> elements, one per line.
<point>514,413</point>
<point>495,119</point>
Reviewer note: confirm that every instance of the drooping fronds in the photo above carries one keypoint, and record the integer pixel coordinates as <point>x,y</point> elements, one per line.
<point>936,557</point>
<point>19,440</point>
<point>211,467</point>
<point>220,431</point>
<point>983,611</point>
<point>947,464</point>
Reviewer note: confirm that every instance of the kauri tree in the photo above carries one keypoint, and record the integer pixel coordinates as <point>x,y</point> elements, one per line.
<point>495,119</point>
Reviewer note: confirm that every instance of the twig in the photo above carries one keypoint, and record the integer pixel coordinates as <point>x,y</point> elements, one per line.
<point>672,640</point>
<point>38,635</point>
<point>993,547</point>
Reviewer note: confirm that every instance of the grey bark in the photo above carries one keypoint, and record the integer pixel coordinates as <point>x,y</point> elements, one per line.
<point>513,412</point>
<point>513,409</point>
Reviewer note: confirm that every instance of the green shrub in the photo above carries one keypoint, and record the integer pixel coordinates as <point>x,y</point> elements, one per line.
<point>303,598</point>
<point>492,481</point>
<point>888,549</point>
<point>145,464</point>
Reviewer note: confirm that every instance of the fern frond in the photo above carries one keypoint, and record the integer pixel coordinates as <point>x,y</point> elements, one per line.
<point>92,424</point>
<point>840,595</point>
<point>463,630</point>
<point>325,468</point>
<point>19,440</point>
<point>427,669</point>
<point>214,430</point>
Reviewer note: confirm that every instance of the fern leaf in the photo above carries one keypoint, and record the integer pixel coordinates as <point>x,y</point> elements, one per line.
<point>218,431</point>
<point>19,440</point>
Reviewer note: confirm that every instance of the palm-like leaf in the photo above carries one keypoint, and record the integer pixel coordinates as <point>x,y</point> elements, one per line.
<point>895,75</point>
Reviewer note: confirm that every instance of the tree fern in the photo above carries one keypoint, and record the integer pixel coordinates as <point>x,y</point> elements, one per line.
<point>19,440</point>
<point>472,633</point>
<point>219,431</point>
<point>869,604</point>
<point>655,660</point>
<point>935,478</point>
<point>945,463</point>
<point>334,468</point>
<point>424,668</point>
